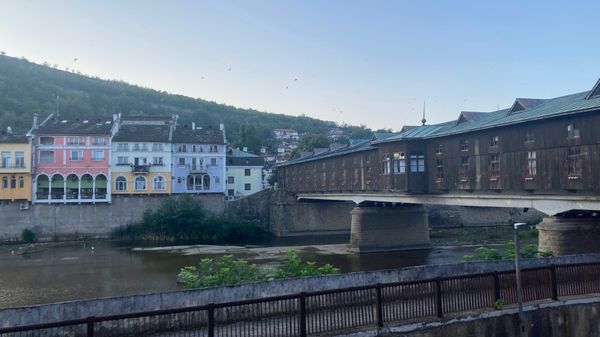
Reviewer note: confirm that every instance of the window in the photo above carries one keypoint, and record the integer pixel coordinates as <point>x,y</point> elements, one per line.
<point>122,160</point>
<point>13,182</point>
<point>417,162</point>
<point>464,145</point>
<point>494,141</point>
<point>439,170</point>
<point>230,193</point>
<point>213,161</point>
<point>137,147</point>
<point>386,165</point>
<point>439,149</point>
<point>144,147</point>
<point>158,147</point>
<point>140,183</point>
<point>98,140</point>
<point>76,155</point>
<point>399,162</point>
<point>20,159</point>
<point>123,147</point>
<point>247,172</point>
<point>494,167</point>
<point>529,136</point>
<point>47,140</point>
<point>181,148</point>
<point>231,180</point>
<point>21,182</point>
<point>217,179</point>
<point>574,163</point>
<point>247,187</point>
<point>75,140</point>
<point>6,162</point>
<point>214,148</point>
<point>181,161</point>
<point>47,157</point>
<point>98,155</point>
<point>531,170</point>
<point>463,174</point>
<point>179,180</point>
<point>159,183</point>
<point>121,183</point>
<point>157,161</point>
<point>4,182</point>
<point>572,131</point>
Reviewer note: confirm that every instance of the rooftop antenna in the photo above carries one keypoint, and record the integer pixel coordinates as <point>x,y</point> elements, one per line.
<point>423,120</point>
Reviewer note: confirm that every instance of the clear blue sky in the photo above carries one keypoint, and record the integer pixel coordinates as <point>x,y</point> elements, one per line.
<point>360,62</point>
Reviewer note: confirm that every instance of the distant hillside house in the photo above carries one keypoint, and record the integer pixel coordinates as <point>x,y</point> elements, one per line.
<point>244,174</point>
<point>141,155</point>
<point>288,134</point>
<point>71,159</point>
<point>199,160</point>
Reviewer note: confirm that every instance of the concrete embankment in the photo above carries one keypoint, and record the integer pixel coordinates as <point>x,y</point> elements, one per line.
<point>128,304</point>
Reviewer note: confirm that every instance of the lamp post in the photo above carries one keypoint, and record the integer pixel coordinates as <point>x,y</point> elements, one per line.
<point>518,276</point>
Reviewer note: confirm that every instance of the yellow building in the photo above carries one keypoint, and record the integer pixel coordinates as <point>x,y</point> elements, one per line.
<point>15,167</point>
<point>141,182</point>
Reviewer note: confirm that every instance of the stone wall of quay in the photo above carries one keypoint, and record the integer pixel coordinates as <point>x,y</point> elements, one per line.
<point>176,299</point>
<point>70,221</point>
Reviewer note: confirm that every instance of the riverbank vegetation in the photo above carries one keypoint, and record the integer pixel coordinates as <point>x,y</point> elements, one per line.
<point>231,271</point>
<point>529,250</point>
<point>183,219</point>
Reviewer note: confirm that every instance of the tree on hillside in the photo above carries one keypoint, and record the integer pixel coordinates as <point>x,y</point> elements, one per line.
<point>248,138</point>
<point>309,142</point>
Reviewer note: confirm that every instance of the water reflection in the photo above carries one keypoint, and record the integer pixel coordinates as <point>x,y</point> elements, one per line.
<point>46,273</point>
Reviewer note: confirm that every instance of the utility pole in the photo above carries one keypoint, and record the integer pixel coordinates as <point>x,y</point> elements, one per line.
<point>518,277</point>
<point>57,110</point>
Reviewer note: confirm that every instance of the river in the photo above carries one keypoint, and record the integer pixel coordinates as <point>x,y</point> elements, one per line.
<point>46,273</point>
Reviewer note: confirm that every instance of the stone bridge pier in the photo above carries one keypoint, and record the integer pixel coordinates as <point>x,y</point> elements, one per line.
<point>387,227</point>
<point>575,232</point>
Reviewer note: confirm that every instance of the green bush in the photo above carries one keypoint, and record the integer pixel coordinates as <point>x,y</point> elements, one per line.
<point>28,236</point>
<point>184,219</point>
<point>491,254</point>
<point>230,271</point>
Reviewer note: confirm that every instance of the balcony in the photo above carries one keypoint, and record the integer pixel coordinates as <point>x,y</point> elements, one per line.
<point>12,166</point>
<point>140,169</point>
<point>196,168</point>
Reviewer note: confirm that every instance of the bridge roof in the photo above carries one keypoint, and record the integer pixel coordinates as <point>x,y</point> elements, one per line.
<point>554,107</point>
<point>360,145</point>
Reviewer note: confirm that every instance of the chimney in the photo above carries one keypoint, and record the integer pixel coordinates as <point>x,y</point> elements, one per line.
<point>193,125</point>
<point>221,126</point>
<point>245,149</point>
<point>35,121</point>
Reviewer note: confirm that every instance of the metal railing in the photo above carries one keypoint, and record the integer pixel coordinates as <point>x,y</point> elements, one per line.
<point>327,311</point>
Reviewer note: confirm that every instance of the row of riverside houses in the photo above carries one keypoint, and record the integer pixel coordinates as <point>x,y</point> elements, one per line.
<point>90,160</point>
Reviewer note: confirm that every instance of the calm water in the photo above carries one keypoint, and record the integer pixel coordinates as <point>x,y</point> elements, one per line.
<point>45,274</point>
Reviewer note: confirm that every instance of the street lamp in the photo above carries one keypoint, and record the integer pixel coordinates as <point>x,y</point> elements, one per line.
<point>518,276</point>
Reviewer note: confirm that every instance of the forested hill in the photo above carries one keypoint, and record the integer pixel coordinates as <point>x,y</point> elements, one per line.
<point>27,88</point>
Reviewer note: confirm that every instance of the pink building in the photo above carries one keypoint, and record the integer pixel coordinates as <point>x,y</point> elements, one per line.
<point>71,159</point>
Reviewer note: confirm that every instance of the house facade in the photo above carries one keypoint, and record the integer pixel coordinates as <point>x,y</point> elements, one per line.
<point>198,160</point>
<point>244,174</point>
<point>71,160</point>
<point>15,167</point>
<point>141,156</point>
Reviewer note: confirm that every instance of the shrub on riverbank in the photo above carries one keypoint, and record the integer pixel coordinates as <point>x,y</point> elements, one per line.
<point>183,219</point>
<point>231,271</point>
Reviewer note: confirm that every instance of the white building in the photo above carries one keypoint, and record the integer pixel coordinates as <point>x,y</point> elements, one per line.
<point>286,134</point>
<point>244,174</point>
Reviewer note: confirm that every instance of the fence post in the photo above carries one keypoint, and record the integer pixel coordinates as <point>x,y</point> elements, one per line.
<point>438,297</point>
<point>90,326</point>
<point>496,287</point>
<point>554,282</point>
<point>211,320</point>
<point>302,323</point>
<point>379,305</point>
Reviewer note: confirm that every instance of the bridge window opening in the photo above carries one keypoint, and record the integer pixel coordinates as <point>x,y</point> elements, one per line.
<point>344,177</point>
<point>529,136</point>
<point>399,162</point>
<point>367,159</point>
<point>531,170</point>
<point>386,164</point>
<point>463,174</point>
<point>324,179</point>
<point>494,141</point>
<point>439,171</point>
<point>494,167</point>
<point>439,149</point>
<point>574,165</point>
<point>464,145</point>
<point>572,131</point>
<point>368,180</point>
<point>355,177</point>
<point>417,162</point>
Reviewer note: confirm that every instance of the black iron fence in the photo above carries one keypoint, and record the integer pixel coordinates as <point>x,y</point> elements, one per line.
<point>326,311</point>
